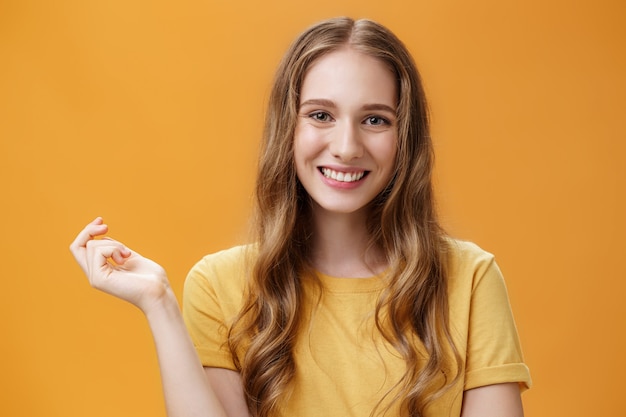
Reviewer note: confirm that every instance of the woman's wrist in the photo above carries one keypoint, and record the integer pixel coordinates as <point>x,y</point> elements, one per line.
<point>162,306</point>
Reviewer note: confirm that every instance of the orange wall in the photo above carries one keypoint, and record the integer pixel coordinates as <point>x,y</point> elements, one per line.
<point>148,113</point>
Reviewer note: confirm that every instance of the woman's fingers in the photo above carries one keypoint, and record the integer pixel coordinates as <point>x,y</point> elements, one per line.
<point>98,253</point>
<point>119,257</point>
<point>109,248</point>
<point>78,246</point>
<point>93,229</point>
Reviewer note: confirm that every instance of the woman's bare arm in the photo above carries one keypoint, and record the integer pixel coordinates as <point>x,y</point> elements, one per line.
<point>499,400</point>
<point>228,387</point>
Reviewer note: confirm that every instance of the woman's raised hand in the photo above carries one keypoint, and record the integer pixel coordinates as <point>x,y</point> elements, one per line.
<point>113,268</point>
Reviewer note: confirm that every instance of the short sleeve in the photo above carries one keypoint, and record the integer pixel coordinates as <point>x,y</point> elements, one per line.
<point>210,298</point>
<point>494,354</point>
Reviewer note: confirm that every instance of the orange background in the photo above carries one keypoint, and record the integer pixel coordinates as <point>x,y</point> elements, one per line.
<point>148,113</point>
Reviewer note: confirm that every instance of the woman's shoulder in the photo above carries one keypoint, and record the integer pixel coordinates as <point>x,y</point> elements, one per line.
<point>226,257</point>
<point>464,253</point>
<point>469,264</point>
<point>225,266</point>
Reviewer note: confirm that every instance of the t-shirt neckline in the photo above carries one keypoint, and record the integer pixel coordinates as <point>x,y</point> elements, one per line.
<point>347,284</point>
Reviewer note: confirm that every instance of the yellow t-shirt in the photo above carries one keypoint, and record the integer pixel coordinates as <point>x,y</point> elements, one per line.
<point>344,367</point>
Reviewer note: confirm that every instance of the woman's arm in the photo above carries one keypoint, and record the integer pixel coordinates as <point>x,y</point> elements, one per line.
<point>228,387</point>
<point>499,400</point>
<point>115,269</point>
<point>186,389</point>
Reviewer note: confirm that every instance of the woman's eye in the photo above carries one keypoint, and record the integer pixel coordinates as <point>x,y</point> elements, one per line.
<point>376,121</point>
<point>320,116</point>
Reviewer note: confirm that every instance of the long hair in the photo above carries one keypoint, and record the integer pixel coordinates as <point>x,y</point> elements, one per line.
<point>414,306</point>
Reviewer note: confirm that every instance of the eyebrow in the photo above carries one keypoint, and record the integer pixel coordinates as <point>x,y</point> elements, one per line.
<point>319,102</point>
<point>331,104</point>
<point>380,106</point>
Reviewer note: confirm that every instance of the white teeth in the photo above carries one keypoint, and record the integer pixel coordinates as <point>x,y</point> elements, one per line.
<point>342,176</point>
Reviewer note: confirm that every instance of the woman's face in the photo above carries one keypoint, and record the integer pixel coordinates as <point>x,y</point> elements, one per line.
<point>346,133</point>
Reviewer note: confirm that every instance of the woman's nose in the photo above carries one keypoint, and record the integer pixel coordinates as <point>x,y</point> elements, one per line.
<point>346,142</point>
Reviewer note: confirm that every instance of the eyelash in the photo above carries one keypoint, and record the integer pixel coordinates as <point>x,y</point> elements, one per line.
<point>316,116</point>
<point>381,120</point>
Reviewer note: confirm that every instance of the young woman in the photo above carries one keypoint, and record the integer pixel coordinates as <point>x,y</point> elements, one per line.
<point>352,301</point>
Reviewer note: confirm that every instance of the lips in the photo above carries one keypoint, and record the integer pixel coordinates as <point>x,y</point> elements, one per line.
<point>343,176</point>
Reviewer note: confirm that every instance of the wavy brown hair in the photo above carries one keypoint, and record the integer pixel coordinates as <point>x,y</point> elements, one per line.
<point>412,312</point>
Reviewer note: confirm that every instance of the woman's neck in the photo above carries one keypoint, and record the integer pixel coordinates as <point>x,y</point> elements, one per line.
<point>341,245</point>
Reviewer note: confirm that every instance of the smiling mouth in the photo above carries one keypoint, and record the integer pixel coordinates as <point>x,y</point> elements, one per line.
<point>343,176</point>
